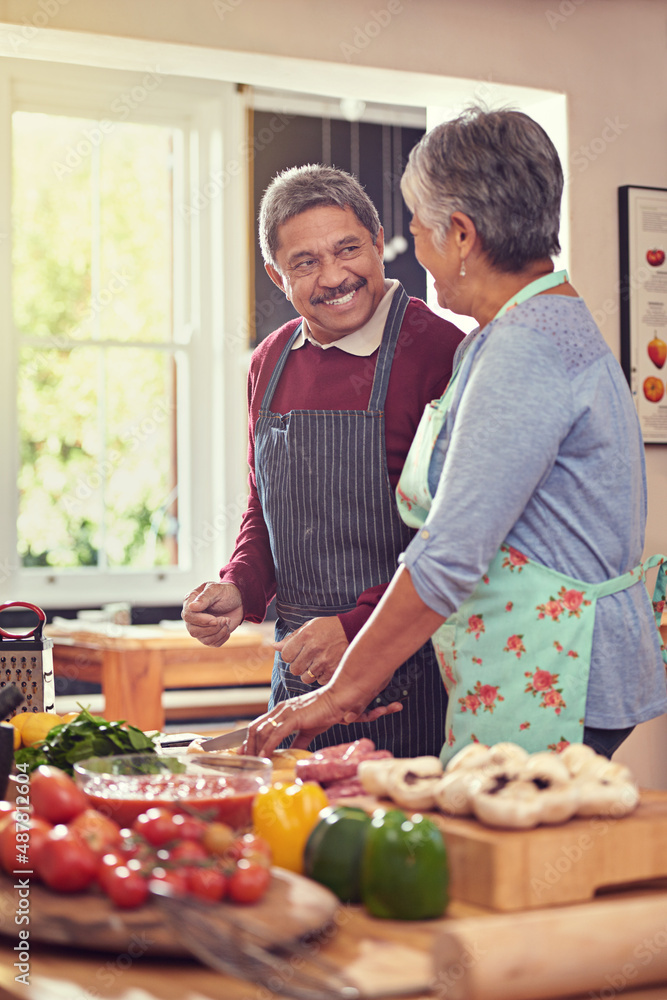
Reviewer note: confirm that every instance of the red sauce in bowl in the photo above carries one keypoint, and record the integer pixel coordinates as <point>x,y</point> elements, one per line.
<point>234,809</point>
<point>126,786</point>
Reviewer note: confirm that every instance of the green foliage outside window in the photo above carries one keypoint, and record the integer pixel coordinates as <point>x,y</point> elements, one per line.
<point>92,272</point>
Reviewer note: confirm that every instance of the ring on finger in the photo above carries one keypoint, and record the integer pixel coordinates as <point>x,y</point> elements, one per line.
<point>272,722</point>
<point>309,671</point>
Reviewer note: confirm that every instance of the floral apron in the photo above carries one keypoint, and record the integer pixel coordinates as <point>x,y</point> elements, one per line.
<point>515,656</point>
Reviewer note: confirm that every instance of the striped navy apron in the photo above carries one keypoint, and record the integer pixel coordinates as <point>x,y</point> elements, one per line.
<point>335,531</point>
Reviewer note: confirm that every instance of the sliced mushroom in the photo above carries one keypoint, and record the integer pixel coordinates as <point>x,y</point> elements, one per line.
<point>411,782</point>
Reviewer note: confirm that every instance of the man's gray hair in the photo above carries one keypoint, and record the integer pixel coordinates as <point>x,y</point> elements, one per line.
<point>501,169</point>
<point>313,186</point>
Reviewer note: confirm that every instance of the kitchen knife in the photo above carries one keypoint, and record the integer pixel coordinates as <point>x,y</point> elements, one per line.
<point>227,740</point>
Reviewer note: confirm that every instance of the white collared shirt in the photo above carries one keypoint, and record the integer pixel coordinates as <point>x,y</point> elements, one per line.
<point>364,341</point>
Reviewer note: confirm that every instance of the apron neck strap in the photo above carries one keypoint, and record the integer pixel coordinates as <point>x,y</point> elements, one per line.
<point>551,280</point>
<point>392,328</point>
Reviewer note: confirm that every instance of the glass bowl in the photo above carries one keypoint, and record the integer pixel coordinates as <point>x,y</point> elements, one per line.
<point>221,789</point>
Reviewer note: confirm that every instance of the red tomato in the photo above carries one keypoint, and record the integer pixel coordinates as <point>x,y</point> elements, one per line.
<point>187,850</point>
<point>249,882</point>
<point>55,796</point>
<point>99,831</point>
<point>655,257</point>
<point>189,827</point>
<point>66,863</point>
<point>125,887</point>
<point>207,883</point>
<point>177,878</point>
<point>252,847</point>
<point>21,846</point>
<point>114,859</point>
<point>156,826</point>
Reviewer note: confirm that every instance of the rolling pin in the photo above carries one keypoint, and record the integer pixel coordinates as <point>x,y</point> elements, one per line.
<point>599,948</point>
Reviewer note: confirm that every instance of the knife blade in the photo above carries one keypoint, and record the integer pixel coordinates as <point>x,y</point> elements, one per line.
<point>227,740</point>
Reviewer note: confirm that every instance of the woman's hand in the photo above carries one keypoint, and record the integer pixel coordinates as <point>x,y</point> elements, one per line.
<point>308,715</point>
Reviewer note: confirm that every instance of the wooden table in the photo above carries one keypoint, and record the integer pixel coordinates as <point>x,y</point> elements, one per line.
<point>135,664</point>
<point>358,942</point>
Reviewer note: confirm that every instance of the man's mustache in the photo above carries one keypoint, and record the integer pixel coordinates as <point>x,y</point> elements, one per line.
<point>338,293</point>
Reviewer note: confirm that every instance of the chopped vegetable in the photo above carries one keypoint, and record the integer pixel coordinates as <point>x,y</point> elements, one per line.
<point>86,736</point>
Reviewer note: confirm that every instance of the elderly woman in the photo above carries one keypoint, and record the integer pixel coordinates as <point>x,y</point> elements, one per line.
<point>526,480</point>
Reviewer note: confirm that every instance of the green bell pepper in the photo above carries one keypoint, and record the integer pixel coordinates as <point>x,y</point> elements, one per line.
<point>405,872</point>
<point>334,851</point>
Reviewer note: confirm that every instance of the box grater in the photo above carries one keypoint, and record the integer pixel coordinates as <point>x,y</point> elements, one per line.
<point>26,660</point>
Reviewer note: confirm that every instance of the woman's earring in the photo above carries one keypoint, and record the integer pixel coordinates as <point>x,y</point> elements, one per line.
<point>462,272</point>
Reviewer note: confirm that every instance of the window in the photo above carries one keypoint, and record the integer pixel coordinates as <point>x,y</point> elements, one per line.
<point>93,298</point>
<point>115,343</point>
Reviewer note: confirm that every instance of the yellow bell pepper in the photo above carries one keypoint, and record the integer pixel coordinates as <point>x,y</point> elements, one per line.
<point>284,815</point>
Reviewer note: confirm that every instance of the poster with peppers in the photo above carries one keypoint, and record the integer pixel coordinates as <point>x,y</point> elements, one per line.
<point>643,291</point>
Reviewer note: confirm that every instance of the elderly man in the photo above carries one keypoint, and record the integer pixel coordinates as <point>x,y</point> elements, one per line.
<point>335,397</point>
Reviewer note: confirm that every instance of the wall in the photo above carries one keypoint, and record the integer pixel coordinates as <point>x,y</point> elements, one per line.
<point>607,56</point>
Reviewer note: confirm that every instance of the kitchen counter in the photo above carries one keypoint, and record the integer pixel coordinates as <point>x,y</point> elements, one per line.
<point>379,951</point>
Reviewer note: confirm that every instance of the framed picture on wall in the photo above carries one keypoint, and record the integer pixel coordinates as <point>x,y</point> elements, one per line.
<point>643,298</point>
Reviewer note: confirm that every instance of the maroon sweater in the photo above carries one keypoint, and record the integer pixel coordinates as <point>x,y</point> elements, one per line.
<point>313,379</point>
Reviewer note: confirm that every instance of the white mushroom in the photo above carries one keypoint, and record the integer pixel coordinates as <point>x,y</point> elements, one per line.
<point>472,755</point>
<point>599,768</point>
<point>545,769</point>
<point>373,775</point>
<point>606,798</point>
<point>411,782</point>
<point>514,804</point>
<point>507,753</point>
<point>453,793</point>
<point>577,755</point>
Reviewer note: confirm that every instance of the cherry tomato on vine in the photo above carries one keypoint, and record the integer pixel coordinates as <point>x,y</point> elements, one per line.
<point>189,827</point>
<point>55,796</point>
<point>125,887</point>
<point>21,842</point>
<point>156,826</point>
<point>177,878</point>
<point>207,883</point>
<point>100,832</point>
<point>249,882</point>
<point>66,862</point>
<point>187,850</point>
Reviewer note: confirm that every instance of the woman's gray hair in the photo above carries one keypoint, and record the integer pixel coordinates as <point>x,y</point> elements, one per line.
<point>299,188</point>
<point>501,169</point>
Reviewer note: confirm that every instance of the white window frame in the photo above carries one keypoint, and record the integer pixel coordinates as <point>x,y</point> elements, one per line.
<point>210,307</point>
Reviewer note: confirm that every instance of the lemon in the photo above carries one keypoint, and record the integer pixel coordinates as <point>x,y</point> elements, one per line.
<point>17,737</point>
<point>70,716</point>
<point>38,726</point>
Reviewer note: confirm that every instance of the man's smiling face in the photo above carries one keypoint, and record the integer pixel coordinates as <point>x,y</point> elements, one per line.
<point>330,270</point>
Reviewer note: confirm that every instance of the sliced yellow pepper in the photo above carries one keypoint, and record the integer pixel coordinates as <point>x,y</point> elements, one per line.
<point>284,815</point>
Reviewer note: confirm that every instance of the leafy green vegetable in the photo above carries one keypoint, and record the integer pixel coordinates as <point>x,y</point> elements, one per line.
<point>85,736</point>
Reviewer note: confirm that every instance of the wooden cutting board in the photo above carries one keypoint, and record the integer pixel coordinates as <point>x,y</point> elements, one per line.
<point>511,870</point>
<point>293,907</point>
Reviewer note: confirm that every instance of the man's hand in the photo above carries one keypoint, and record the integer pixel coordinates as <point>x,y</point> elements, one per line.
<point>314,651</point>
<point>212,611</point>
